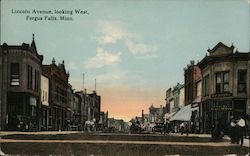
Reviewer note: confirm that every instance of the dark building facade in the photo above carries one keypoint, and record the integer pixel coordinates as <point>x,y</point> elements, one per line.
<point>90,106</point>
<point>192,76</point>
<point>225,86</point>
<point>95,106</point>
<point>58,90</point>
<point>20,86</point>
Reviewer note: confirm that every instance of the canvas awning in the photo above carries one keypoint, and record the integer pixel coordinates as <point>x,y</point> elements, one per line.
<point>183,114</point>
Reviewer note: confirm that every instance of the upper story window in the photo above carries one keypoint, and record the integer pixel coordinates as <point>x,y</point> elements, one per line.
<point>222,82</point>
<point>205,86</point>
<point>30,77</point>
<point>242,81</point>
<point>36,80</point>
<point>14,74</point>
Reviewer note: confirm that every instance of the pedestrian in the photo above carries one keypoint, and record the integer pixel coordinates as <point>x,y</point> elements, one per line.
<point>186,128</point>
<point>233,130</point>
<point>182,128</point>
<point>241,130</point>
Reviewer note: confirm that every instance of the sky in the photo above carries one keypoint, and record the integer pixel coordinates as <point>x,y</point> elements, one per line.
<point>135,50</point>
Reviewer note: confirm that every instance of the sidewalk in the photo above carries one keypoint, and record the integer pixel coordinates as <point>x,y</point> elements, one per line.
<point>2,133</point>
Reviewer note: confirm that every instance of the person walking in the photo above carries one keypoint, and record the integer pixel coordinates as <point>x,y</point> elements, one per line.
<point>241,130</point>
<point>233,131</point>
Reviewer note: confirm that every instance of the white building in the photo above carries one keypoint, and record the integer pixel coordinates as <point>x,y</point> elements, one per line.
<point>44,102</point>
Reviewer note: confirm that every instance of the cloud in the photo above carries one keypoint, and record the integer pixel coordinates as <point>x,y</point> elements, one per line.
<point>114,31</point>
<point>111,33</point>
<point>102,58</point>
<point>140,48</point>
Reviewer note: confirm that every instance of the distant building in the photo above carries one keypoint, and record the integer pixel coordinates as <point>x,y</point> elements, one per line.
<point>70,100</point>
<point>169,98</point>
<point>90,106</point>
<point>58,82</point>
<point>176,97</point>
<point>225,86</point>
<point>95,107</point>
<point>20,86</point>
<point>156,114</point>
<point>103,122</point>
<point>76,110</point>
<point>117,125</point>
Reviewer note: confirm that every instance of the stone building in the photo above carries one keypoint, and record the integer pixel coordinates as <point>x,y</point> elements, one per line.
<point>58,82</point>
<point>225,86</point>
<point>20,86</point>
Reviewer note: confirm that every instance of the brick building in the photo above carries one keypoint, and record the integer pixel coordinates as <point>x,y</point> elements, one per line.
<point>58,90</point>
<point>192,76</point>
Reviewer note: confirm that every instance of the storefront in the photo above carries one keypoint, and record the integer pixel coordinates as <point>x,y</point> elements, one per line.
<point>222,110</point>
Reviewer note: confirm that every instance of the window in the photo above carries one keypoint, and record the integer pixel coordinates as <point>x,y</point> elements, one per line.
<point>36,80</point>
<point>218,83</point>
<point>242,81</point>
<point>14,74</point>
<point>222,82</point>
<point>205,85</point>
<point>43,95</point>
<point>46,96</point>
<point>30,77</point>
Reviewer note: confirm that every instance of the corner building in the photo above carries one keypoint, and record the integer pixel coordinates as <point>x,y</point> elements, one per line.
<point>20,87</point>
<point>225,86</point>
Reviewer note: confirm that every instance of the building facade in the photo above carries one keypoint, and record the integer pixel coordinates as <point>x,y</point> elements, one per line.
<point>44,102</point>
<point>58,86</point>
<point>177,97</point>
<point>20,86</point>
<point>192,76</point>
<point>169,98</point>
<point>225,86</point>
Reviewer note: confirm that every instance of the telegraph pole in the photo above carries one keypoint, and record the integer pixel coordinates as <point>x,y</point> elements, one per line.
<point>83,82</point>
<point>95,85</point>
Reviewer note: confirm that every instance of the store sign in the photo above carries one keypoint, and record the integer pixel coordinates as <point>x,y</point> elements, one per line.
<point>221,106</point>
<point>32,101</point>
<point>218,95</point>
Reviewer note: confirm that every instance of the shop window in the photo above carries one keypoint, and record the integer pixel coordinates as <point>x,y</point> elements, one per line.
<point>14,74</point>
<point>242,81</point>
<point>222,82</point>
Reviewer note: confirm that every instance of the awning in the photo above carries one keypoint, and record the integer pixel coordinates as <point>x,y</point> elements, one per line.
<point>183,114</point>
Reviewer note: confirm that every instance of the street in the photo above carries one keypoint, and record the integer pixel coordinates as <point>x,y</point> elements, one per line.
<point>73,143</point>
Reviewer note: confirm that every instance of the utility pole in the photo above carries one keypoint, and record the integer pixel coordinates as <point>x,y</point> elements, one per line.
<point>95,85</point>
<point>83,82</point>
